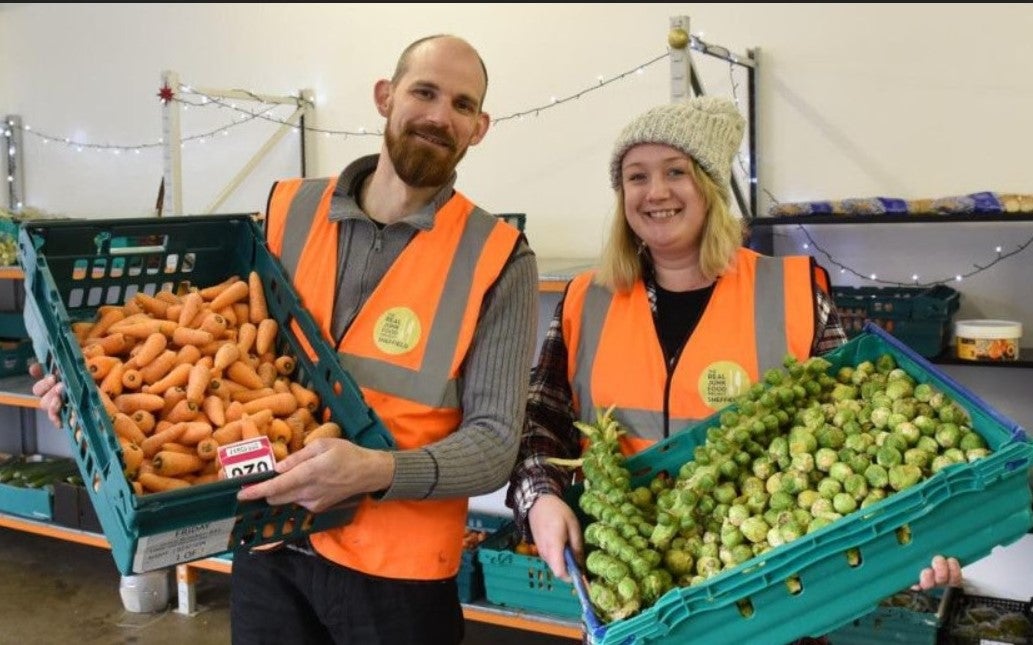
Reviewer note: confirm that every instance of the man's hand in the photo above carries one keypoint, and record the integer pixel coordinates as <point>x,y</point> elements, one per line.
<point>51,393</point>
<point>323,473</point>
<point>553,526</point>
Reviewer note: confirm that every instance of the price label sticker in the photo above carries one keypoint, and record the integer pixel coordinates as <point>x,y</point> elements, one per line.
<point>247,457</point>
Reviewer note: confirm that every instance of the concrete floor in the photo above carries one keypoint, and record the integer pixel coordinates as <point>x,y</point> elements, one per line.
<point>54,592</point>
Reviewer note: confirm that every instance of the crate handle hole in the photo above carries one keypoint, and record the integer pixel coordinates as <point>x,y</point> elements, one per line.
<point>903,535</point>
<point>794,585</point>
<point>853,557</point>
<point>745,607</point>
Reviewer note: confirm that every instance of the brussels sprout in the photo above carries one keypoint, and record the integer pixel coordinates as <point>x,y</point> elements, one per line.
<point>973,454</point>
<point>821,507</point>
<point>840,471</point>
<point>794,481</point>
<point>708,566</point>
<point>888,456</point>
<point>908,432</point>
<point>894,420</point>
<point>842,392</point>
<point>844,503</point>
<point>805,498</point>
<point>880,417</point>
<point>818,523</point>
<point>858,442</point>
<point>755,529</point>
<point>905,407</point>
<point>859,462</point>
<point>904,475</point>
<point>917,457</point>
<point>877,476</point>
<point>971,440</point>
<point>948,435</point>
<point>802,440</point>
<point>829,436</point>
<point>824,458</point>
<point>885,363</point>
<point>928,444</point>
<point>729,418</point>
<point>790,531</point>
<point>731,534</point>
<point>940,462</point>
<point>856,485</point>
<point>923,392</point>
<point>829,488</point>
<point>874,495</point>
<point>803,462</point>
<point>775,537</point>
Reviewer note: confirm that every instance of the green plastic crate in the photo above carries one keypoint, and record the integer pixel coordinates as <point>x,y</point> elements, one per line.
<point>74,267</point>
<point>515,219</point>
<point>15,357</point>
<point>470,578</point>
<point>524,582</point>
<point>909,618</point>
<point>964,511</point>
<point>920,317</point>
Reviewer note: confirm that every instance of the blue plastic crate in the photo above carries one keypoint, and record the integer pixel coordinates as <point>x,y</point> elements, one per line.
<point>964,511</point>
<point>470,578</point>
<point>521,581</point>
<point>74,267</point>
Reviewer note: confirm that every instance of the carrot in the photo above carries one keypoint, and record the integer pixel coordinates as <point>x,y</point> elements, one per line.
<point>258,309</point>
<point>99,366</point>
<point>246,334</point>
<point>178,375</point>
<point>248,428</point>
<point>108,405</point>
<point>231,294</point>
<point>104,322</point>
<point>192,303</point>
<point>153,443</point>
<point>326,430</point>
<point>93,349</point>
<point>190,336</point>
<point>182,411</point>
<point>242,373</point>
<point>197,382</point>
<point>80,329</point>
<point>127,429</point>
<point>209,293</point>
<point>306,397</point>
<point>214,324</point>
<point>177,447</point>
<point>172,396</point>
<point>144,328</point>
<point>168,297</point>
<point>159,367</point>
<point>150,349</point>
<point>143,420</point>
<point>230,315</point>
<point>278,431</point>
<point>228,433</point>
<point>234,410</point>
<point>131,379</point>
<point>154,306</point>
<point>188,354</point>
<point>196,431</point>
<point>284,365</point>
<point>213,408</point>
<point>228,354</point>
<point>280,405</point>
<point>130,403</point>
<point>132,457</point>
<point>280,450</point>
<point>241,312</point>
<point>111,343</point>
<point>265,336</point>
<point>267,372</point>
<point>207,449</point>
<point>168,463</point>
<point>244,395</point>
<point>112,383</point>
<point>205,478</point>
<point>155,483</point>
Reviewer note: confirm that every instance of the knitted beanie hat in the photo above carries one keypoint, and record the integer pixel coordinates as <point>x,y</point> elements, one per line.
<point>707,128</point>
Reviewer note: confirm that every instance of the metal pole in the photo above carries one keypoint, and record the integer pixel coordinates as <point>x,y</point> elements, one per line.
<point>15,175</point>
<point>172,157</point>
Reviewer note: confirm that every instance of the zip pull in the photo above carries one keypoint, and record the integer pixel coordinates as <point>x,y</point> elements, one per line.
<point>377,241</point>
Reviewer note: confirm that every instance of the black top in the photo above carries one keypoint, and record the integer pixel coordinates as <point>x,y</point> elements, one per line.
<point>677,314</point>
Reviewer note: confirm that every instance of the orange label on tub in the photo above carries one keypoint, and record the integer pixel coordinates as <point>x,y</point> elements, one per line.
<point>988,349</point>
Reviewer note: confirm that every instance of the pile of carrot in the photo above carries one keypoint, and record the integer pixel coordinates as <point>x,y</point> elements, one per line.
<point>181,374</point>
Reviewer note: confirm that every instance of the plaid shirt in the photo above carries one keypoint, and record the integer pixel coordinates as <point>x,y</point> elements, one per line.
<point>549,430</point>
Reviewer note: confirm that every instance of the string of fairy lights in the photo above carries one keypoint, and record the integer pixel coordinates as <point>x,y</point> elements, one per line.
<point>188,97</point>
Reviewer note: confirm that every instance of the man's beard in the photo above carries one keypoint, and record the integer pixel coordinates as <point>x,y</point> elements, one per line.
<point>421,165</point>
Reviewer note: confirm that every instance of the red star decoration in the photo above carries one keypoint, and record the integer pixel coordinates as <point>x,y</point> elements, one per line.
<point>166,94</point>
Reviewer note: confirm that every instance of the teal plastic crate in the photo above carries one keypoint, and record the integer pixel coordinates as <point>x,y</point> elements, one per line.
<point>15,357</point>
<point>470,578</point>
<point>524,582</point>
<point>515,219</point>
<point>12,325</point>
<point>964,511</point>
<point>920,317</point>
<point>72,268</point>
<point>909,618</point>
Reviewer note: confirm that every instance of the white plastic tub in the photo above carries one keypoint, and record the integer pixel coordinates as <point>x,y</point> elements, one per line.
<point>988,340</point>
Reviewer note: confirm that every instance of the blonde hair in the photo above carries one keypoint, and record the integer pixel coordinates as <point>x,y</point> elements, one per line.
<point>624,259</point>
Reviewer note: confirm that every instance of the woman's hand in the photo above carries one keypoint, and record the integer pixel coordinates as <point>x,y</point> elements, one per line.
<point>942,572</point>
<point>553,527</point>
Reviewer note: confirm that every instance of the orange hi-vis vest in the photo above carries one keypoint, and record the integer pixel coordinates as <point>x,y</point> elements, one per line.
<point>404,349</point>
<point>761,308</point>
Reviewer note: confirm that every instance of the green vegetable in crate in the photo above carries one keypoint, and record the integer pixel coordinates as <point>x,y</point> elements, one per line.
<point>788,458</point>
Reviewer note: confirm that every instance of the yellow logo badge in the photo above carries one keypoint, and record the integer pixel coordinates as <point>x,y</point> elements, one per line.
<point>721,382</point>
<point>397,331</point>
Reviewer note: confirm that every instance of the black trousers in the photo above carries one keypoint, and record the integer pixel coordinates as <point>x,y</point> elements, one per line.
<point>286,596</point>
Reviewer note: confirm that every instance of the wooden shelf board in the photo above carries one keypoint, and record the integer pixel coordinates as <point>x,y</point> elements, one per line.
<point>17,391</point>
